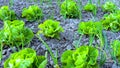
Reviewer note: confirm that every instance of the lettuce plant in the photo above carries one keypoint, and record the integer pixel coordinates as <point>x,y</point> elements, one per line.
<point>91,8</point>
<point>7,14</point>
<point>15,33</point>
<point>93,29</point>
<point>25,58</point>
<point>83,57</point>
<point>116,49</point>
<point>111,22</point>
<point>69,9</point>
<point>89,28</point>
<point>50,28</point>
<point>32,13</point>
<point>109,7</point>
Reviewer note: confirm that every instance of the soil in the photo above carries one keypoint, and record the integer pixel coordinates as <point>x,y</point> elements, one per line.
<point>68,37</point>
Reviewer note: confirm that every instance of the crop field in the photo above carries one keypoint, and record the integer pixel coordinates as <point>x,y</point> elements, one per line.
<point>59,33</point>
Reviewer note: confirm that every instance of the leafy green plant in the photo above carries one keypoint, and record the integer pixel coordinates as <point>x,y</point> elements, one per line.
<point>116,49</point>
<point>7,14</point>
<point>69,9</point>
<point>111,22</point>
<point>92,29</point>
<point>83,57</point>
<point>89,27</point>
<point>32,13</point>
<point>15,33</point>
<point>50,28</point>
<point>91,8</point>
<point>109,7</point>
<point>25,58</point>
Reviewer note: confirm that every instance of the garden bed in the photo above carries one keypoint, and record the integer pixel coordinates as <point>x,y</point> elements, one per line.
<point>67,38</point>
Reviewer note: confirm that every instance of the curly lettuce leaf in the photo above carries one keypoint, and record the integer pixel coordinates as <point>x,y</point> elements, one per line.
<point>50,28</point>
<point>89,28</point>
<point>66,59</point>
<point>25,58</point>
<point>111,22</point>
<point>91,8</point>
<point>32,13</point>
<point>116,48</point>
<point>69,9</point>
<point>7,14</point>
<point>15,33</point>
<point>109,7</point>
<point>83,57</point>
<point>21,59</point>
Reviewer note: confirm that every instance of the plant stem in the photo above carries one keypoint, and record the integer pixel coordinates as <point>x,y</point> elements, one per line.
<point>99,3</point>
<point>11,3</point>
<point>52,14</point>
<point>103,56</point>
<point>90,1</point>
<point>41,1</point>
<point>78,42</point>
<point>80,8</point>
<point>49,49</point>
<point>58,2</point>
<point>91,39</point>
<point>1,48</point>
<point>65,16</point>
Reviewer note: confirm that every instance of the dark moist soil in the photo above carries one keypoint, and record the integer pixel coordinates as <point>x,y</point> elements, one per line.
<point>68,37</point>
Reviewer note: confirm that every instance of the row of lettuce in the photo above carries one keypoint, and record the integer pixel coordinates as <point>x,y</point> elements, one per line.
<point>82,57</point>
<point>69,9</point>
<point>14,33</point>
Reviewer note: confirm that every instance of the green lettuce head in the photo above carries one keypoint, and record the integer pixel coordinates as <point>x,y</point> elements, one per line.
<point>83,57</point>
<point>25,58</point>
<point>70,9</point>
<point>7,14</point>
<point>50,28</point>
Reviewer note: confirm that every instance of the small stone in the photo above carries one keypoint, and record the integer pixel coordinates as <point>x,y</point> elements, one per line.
<point>4,52</point>
<point>9,50</point>
<point>115,66</point>
<point>69,47</point>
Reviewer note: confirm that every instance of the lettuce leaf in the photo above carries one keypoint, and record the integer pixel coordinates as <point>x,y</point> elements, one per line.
<point>109,7</point>
<point>83,57</point>
<point>15,33</point>
<point>50,28</point>
<point>70,9</point>
<point>32,13</point>
<point>91,8</point>
<point>25,58</point>
<point>7,14</point>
